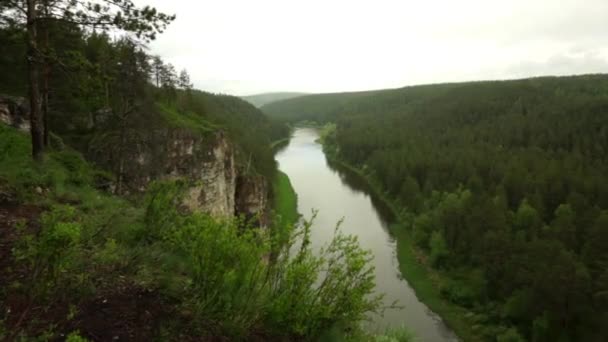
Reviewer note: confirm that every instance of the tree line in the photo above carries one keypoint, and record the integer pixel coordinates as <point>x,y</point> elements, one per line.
<point>100,94</point>
<point>504,185</point>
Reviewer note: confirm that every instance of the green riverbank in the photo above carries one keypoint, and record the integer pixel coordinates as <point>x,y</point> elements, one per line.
<point>425,281</point>
<point>285,200</point>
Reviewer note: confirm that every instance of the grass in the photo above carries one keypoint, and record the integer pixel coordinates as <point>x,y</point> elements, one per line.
<point>285,201</point>
<point>185,119</point>
<point>425,281</point>
<point>277,144</point>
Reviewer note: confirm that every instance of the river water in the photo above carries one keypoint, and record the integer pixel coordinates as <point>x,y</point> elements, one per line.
<point>339,194</point>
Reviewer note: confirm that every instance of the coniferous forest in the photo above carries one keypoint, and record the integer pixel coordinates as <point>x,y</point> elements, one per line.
<point>98,243</point>
<point>135,207</point>
<point>503,185</point>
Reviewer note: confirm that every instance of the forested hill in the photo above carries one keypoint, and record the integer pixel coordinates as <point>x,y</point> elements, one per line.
<point>315,107</point>
<point>260,100</point>
<point>327,107</point>
<point>135,208</point>
<point>504,185</point>
<point>98,87</point>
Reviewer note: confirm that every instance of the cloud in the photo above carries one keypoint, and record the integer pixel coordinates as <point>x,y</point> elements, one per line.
<point>244,46</point>
<point>574,62</point>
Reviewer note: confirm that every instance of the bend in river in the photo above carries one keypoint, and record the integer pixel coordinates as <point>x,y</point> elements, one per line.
<point>338,194</point>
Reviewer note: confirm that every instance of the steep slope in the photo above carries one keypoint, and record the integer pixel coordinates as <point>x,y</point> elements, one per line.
<point>79,263</point>
<point>260,100</point>
<point>317,107</point>
<point>502,189</point>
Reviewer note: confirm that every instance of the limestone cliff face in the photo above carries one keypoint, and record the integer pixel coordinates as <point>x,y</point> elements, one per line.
<point>14,111</point>
<point>209,164</point>
<point>252,198</point>
<point>207,161</point>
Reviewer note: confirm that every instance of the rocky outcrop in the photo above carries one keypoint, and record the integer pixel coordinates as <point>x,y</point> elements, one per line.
<point>252,198</point>
<point>210,165</point>
<point>207,161</point>
<point>14,111</point>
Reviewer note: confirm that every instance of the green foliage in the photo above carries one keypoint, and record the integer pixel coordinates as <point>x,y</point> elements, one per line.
<point>185,119</point>
<point>465,287</point>
<point>60,170</point>
<point>508,179</point>
<point>395,335</point>
<point>511,335</point>
<point>319,291</point>
<point>439,249</point>
<point>260,100</point>
<point>104,105</point>
<point>232,279</point>
<point>327,133</point>
<point>225,276</point>
<point>319,108</point>
<point>52,253</point>
<point>422,230</point>
<point>285,201</point>
<point>75,337</point>
<point>246,126</point>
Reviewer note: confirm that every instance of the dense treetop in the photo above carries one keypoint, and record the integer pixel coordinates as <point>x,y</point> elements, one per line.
<point>504,184</point>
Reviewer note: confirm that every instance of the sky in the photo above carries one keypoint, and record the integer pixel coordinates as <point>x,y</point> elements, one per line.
<point>244,47</point>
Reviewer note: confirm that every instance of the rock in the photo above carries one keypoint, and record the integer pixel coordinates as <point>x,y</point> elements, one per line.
<point>252,198</point>
<point>14,111</point>
<point>205,160</point>
<point>212,168</point>
<point>7,193</point>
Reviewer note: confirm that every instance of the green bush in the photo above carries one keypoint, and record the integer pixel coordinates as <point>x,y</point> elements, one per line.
<point>52,253</point>
<point>223,273</point>
<point>316,291</point>
<point>79,171</point>
<point>510,335</point>
<point>395,335</point>
<point>75,337</point>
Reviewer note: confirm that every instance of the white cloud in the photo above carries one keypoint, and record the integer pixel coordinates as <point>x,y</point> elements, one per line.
<point>245,46</point>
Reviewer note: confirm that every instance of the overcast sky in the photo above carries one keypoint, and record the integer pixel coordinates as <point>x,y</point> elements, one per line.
<point>244,47</point>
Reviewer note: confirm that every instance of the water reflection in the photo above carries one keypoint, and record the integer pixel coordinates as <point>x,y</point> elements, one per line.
<point>339,193</point>
<point>356,183</point>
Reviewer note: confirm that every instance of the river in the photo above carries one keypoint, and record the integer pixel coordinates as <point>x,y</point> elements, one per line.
<point>339,194</point>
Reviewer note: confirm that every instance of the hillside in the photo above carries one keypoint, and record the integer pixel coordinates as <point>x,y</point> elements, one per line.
<point>260,100</point>
<point>315,107</point>
<point>136,208</point>
<point>502,186</point>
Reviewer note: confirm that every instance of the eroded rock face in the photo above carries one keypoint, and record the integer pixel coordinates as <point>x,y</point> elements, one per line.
<point>207,162</point>
<point>14,111</point>
<point>252,198</point>
<point>213,171</point>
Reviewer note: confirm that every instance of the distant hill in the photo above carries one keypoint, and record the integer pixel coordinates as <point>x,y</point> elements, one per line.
<point>379,103</point>
<point>503,185</point>
<point>260,100</point>
<point>314,107</point>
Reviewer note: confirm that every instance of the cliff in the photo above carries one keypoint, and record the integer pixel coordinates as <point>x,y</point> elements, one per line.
<point>14,112</point>
<point>206,160</point>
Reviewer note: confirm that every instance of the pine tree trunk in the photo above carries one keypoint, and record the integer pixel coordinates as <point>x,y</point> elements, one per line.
<point>36,126</point>
<point>46,74</point>
<point>45,101</point>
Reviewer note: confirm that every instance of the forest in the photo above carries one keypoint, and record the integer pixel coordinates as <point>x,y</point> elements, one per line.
<point>91,76</point>
<point>502,184</point>
<point>82,259</point>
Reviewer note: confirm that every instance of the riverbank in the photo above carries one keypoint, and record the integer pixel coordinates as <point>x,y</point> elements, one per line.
<point>285,200</point>
<point>425,281</point>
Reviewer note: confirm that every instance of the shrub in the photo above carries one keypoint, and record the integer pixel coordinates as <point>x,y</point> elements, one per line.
<point>51,253</point>
<point>223,273</point>
<point>75,337</point>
